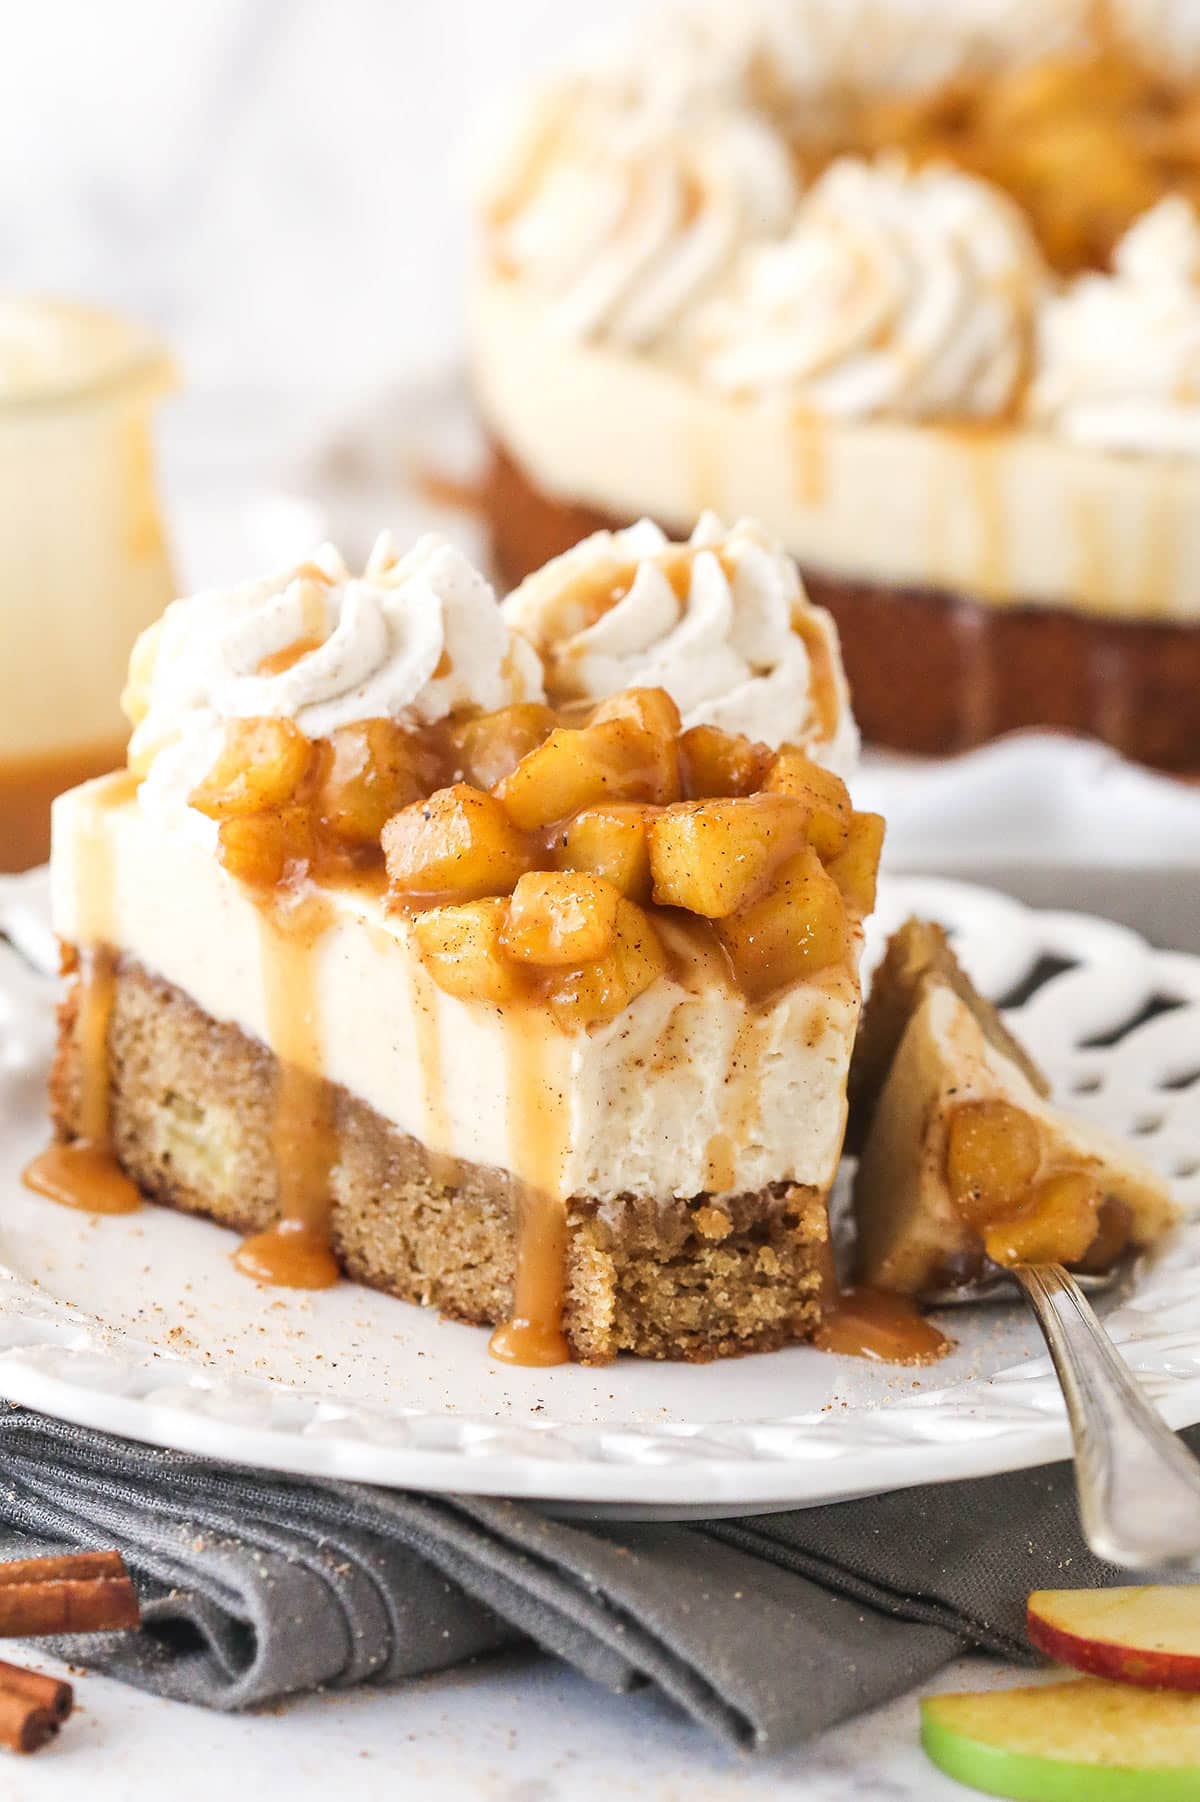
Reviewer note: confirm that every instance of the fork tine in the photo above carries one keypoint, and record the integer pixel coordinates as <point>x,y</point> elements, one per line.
<point>999,1286</point>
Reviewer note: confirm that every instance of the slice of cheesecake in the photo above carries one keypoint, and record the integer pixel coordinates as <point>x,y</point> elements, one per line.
<point>544,1020</point>
<point>965,1162</point>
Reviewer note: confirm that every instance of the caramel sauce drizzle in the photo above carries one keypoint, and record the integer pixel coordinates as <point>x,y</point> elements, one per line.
<point>741,1108</point>
<point>295,1252</point>
<point>443,1167</point>
<point>826,700</point>
<point>278,662</point>
<point>533,1333</point>
<point>83,1172</point>
<point>313,625</point>
<point>810,456</point>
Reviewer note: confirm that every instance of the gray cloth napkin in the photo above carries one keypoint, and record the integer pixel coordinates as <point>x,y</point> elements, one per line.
<point>765,1630</point>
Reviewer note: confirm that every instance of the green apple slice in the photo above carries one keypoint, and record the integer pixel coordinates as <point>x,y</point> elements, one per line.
<point>1082,1741</point>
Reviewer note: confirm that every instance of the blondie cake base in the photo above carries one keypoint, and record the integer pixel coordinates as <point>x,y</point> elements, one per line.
<point>191,1111</point>
<point>932,671</point>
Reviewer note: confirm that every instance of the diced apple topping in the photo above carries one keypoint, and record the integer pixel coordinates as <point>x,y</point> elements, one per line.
<point>994,1170</point>
<point>559,918</point>
<point>458,844</point>
<point>1056,1226</point>
<point>528,850</point>
<point>721,763</point>
<point>372,770</point>
<point>601,990</point>
<point>798,928</point>
<point>653,721</point>
<point>855,869</point>
<point>491,746</point>
<point>993,1155</point>
<point>608,760</point>
<point>825,797</point>
<point>264,849</point>
<point>609,841</point>
<point>461,947</point>
<point>261,765</point>
<point>651,709</point>
<point>1114,1225</point>
<point>713,857</point>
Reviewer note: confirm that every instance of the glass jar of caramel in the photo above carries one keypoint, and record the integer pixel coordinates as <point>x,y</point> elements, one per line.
<point>83,561</point>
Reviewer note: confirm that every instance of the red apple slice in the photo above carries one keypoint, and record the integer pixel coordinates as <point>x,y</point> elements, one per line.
<point>1082,1741</point>
<point>1147,1636</point>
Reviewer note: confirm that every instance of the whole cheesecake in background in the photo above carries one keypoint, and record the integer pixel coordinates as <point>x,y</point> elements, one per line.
<point>83,564</point>
<point>916,286</point>
<point>515,975</point>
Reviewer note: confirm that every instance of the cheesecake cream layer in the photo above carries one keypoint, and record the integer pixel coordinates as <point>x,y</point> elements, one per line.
<point>690,1090</point>
<point>1010,516</point>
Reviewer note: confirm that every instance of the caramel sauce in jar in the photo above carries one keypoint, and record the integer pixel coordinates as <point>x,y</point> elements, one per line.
<point>27,787</point>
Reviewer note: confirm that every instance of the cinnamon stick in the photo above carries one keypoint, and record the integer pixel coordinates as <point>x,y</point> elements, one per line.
<point>79,1592</point>
<point>32,1707</point>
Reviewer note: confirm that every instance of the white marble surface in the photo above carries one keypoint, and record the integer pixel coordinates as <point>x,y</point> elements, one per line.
<point>513,1729</point>
<point>278,184</point>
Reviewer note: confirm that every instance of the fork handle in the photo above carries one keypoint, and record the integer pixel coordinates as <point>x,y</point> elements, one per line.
<point>1138,1486</point>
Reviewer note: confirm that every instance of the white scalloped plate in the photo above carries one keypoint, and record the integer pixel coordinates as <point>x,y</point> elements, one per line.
<point>141,1326</point>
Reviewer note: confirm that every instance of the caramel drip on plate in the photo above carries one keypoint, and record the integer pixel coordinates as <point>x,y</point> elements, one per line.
<point>295,1252</point>
<point>866,1323</point>
<point>84,1173</point>
<point>538,1116</point>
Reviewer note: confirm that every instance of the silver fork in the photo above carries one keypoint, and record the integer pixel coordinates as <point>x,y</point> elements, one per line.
<point>1138,1486</point>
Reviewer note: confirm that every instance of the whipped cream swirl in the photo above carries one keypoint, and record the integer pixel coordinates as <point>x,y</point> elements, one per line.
<point>1119,355</point>
<point>413,639</point>
<point>624,215</point>
<point>1165,32</point>
<point>811,62</point>
<point>900,292</point>
<point>722,623</point>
